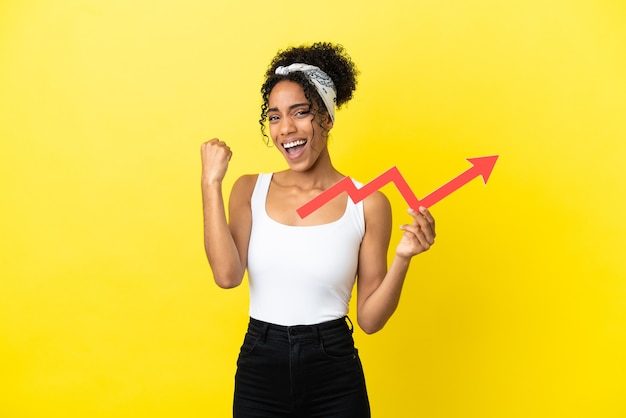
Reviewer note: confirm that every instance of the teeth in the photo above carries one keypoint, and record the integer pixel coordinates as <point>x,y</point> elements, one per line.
<point>294,144</point>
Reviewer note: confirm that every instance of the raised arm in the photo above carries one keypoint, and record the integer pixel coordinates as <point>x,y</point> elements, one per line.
<point>379,288</point>
<point>225,243</point>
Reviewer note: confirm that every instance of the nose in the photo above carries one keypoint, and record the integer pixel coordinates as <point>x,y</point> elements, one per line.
<point>287,126</point>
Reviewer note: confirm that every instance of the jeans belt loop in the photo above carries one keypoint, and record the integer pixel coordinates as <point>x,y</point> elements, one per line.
<point>264,329</point>
<point>351,326</point>
<point>317,336</point>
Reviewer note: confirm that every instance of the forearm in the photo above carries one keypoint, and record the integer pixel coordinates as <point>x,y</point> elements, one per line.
<point>219,245</point>
<point>382,303</point>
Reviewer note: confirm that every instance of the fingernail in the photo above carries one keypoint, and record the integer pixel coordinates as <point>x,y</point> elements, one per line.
<point>422,209</point>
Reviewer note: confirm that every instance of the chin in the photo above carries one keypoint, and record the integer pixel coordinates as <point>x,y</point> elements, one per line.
<point>299,167</point>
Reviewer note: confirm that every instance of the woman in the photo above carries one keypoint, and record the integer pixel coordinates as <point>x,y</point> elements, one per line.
<point>298,357</point>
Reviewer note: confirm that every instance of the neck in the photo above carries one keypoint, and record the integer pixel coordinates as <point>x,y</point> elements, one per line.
<point>322,175</point>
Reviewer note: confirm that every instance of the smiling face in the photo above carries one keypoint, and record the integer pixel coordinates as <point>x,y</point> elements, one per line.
<point>296,126</point>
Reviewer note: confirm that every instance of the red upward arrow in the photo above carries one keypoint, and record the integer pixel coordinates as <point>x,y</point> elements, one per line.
<point>481,166</point>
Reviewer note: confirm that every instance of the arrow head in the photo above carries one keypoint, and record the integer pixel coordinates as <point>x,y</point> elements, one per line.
<point>483,166</point>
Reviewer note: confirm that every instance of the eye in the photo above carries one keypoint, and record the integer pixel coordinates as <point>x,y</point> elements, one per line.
<point>302,112</point>
<point>272,118</point>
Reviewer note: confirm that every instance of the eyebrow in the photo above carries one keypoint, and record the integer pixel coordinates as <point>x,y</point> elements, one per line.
<point>293,106</point>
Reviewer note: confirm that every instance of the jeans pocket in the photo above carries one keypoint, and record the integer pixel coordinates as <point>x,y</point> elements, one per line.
<point>249,343</point>
<point>339,346</point>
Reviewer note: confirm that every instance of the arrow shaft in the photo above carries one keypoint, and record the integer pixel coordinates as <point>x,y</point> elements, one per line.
<point>390,176</point>
<point>450,187</point>
<point>344,185</point>
<point>481,166</point>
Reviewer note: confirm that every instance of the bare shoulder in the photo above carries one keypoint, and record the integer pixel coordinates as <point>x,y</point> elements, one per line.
<point>243,187</point>
<point>377,208</point>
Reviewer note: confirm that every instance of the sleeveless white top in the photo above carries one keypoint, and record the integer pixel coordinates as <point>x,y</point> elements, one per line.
<point>301,275</point>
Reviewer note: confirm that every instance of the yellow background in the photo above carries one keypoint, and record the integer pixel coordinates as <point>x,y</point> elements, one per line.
<point>107,306</point>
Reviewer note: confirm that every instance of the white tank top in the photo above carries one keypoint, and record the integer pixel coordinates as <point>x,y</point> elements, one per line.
<point>301,275</point>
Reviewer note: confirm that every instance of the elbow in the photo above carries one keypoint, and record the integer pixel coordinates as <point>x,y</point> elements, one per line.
<point>228,281</point>
<point>370,328</point>
<point>226,284</point>
<point>370,331</point>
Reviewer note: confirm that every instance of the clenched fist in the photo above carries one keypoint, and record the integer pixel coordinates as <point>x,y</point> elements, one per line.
<point>215,157</point>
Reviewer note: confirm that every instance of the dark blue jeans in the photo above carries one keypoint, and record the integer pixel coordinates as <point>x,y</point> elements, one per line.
<point>311,371</point>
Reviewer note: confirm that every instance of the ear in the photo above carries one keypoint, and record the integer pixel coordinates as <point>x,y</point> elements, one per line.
<point>328,124</point>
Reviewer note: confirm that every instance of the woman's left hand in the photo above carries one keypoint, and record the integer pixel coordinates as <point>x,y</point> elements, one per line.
<point>418,236</point>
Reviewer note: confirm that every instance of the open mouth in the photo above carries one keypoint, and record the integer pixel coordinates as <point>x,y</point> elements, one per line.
<point>295,146</point>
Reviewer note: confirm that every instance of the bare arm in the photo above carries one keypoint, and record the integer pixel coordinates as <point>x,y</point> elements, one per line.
<point>225,245</point>
<point>379,289</point>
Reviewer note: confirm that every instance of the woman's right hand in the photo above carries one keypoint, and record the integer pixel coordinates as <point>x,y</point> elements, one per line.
<point>215,157</point>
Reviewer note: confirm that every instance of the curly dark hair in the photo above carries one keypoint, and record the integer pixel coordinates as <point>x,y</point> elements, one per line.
<point>330,58</point>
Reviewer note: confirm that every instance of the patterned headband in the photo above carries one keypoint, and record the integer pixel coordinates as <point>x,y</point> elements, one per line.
<point>322,82</point>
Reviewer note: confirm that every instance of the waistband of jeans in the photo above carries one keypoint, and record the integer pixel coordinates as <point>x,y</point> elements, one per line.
<point>324,328</point>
